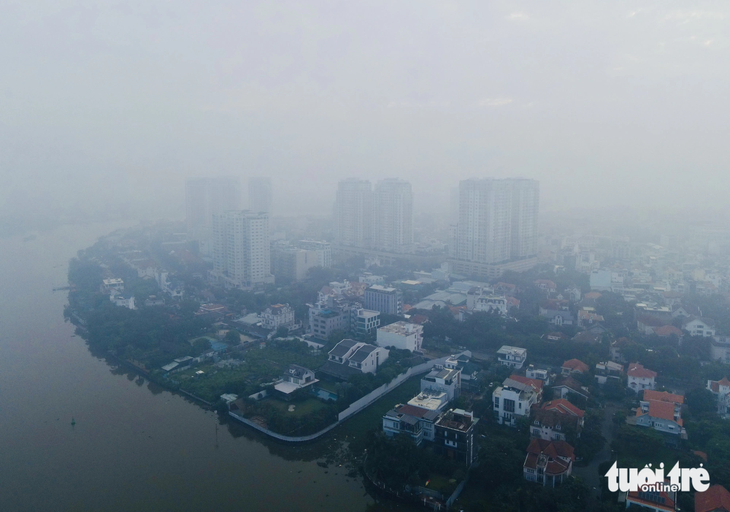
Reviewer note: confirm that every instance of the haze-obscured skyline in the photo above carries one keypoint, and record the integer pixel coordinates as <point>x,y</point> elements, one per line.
<point>607,105</point>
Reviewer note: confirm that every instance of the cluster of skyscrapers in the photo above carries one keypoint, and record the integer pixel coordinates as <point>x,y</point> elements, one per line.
<point>494,227</point>
<point>236,239</point>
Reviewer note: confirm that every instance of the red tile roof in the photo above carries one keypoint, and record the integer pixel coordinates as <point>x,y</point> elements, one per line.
<point>663,396</point>
<point>553,449</point>
<point>663,410</point>
<point>669,505</point>
<point>535,383</point>
<point>563,406</point>
<point>637,370</point>
<point>576,365</point>
<point>714,499</point>
<point>668,330</point>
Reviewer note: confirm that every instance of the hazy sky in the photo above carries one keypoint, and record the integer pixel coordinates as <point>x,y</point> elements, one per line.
<point>606,103</point>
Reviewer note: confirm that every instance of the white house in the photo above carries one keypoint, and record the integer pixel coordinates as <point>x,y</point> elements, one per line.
<point>640,378</point>
<point>514,357</point>
<point>122,300</point>
<point>114,284</point>
<point>401,335</point>
<point>699,327</point>
<point>445,380</point>
<point>491,303</point>
<point>358,355</point>
<point>721,390</point>
<point>295,378</point>
<point>537,373</point>
<point>514,398</point>
<point>277,315</point>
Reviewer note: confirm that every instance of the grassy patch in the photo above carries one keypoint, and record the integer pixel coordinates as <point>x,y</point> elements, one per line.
<point>308,406</point>
<point>372,416</point>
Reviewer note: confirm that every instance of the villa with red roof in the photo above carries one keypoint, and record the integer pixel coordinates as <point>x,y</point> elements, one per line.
<point>664,501</point>
<point>640,378</point>
<point>714,499</point>
<point>555,419</point>
<point>721,390</point>
<point>548,462</point>
<point>662,411</point>
<point>573,366</point>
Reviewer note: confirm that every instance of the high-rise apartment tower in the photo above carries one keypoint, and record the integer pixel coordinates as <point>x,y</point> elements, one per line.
<point>241,248</point>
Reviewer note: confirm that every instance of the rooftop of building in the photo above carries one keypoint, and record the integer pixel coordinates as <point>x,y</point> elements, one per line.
<point>402,328</point>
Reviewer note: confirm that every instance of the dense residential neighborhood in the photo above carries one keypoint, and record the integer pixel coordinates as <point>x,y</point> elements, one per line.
<point>568,362</point>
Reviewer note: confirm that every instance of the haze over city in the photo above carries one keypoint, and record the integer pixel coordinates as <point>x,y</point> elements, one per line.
<point>607,105</point>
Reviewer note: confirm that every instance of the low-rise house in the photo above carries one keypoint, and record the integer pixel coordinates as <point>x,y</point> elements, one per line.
<point>573,366</point>
<point>616,347</point>
<point>489,303</point>
<point>650,501</point>
<point>454,436</point>
<point>640,378</point>
<point>667,331</point>
<point>587,316</point>
<point>567,386</point>
<point>558,317</point>
<point>721,390</point>
<point>433,401</point>
<point>548,462</point>
<point>545,285</point>
<point>514,398</point>
<point>444,380</point>
<point>660,411</point>
<point>714,499</point>
<point>646,324</point>
<point>538,373</point>
<point>587,337</point>
<point>416,422</point>
<point>704,327</point>
<point>514,357</point>
<point>556,336</point>
<point>402,335</point>
<point>122,300</point>
<point>112,284</point>
<point>277,315</point>
<point>608,370</point>
<point>720,349</point>
<point>354,356</point>
<point>295,378</point>
<point>555,419</point>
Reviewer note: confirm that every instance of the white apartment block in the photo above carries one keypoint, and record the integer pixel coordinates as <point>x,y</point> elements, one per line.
<point>401,335</point>
<point>393,216</point>
<point>640,378</point>
<point>241,249</point>
<point>353,213</point>
<point>444,380</point>
<point>497,220</point>
<point>489,303</point>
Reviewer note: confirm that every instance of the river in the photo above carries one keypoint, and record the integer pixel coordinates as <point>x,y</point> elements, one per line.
<point>134,446</point>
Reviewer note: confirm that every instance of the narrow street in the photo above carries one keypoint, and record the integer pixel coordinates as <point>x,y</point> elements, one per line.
<point>589,473</point>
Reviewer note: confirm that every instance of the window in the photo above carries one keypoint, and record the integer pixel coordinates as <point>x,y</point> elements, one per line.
<point>496,402</point>
<point>509,405</point>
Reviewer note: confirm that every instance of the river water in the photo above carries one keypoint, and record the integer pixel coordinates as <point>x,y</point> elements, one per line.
<point>134,446</point>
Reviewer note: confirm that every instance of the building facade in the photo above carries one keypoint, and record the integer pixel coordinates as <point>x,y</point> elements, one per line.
<point>385,299</point>
<point>353,213</point>
<point>401,335</point>
<point>260,195</point>
<point>205,197</point>
<point>393,217</point>
<point>241,249</point>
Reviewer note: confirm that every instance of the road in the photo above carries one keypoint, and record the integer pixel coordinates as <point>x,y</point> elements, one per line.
<point>589,474</point>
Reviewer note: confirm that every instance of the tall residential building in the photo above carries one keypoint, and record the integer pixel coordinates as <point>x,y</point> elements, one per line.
<point>497,226</point>
<point>260,195</point>
<point>384,299</point>
<point>525,207</point>
<point>393,216</point>
<point>292,261</point>
<point>353,213</point>
<point>241,249</point>
<point>205,197</point>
